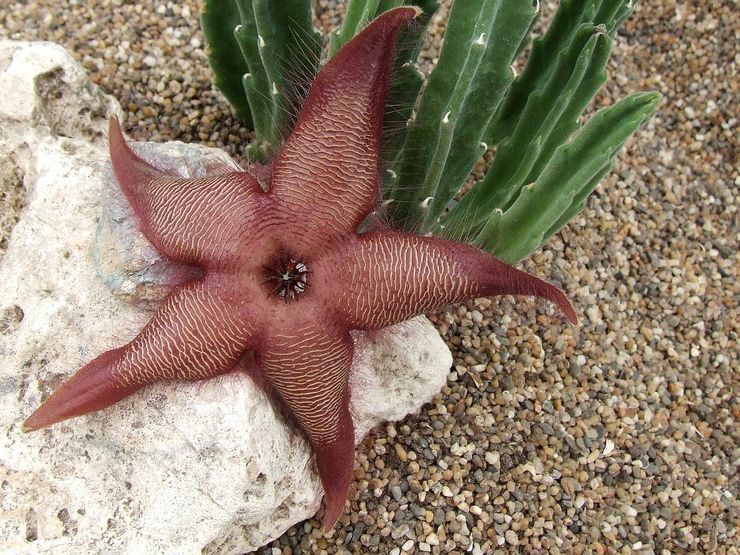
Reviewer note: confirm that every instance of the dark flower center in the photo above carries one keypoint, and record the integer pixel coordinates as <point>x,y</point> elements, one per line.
<point>287,276</point>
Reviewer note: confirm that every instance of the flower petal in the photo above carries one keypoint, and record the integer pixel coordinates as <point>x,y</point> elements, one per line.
<point>308,368</point>
<point>327,173</point>
<point>388,277</point>
<point>195,335</point>
<point>195,221</point>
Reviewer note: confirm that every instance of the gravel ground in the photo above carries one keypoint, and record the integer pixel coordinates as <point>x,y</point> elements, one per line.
<point>614,436</point>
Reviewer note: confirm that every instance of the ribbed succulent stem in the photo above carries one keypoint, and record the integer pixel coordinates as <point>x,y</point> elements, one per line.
<point>254,82</point>
<point>548,119</point>
<point>467,84</point>
<point>571,14</point>
<point>559,193</point>
<point>279,51</point>
<point>407,82</point>
<point>224,55</point>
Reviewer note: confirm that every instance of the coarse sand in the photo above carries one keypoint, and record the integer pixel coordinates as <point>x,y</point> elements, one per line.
<point>617,435</point>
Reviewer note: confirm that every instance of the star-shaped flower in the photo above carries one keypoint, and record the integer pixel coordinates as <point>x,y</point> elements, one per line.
<point>286,276</point>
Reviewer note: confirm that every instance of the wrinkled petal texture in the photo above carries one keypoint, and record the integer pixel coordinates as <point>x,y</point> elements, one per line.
<point>308,367</point>
<point>391,276</point>
<point>194,221</point>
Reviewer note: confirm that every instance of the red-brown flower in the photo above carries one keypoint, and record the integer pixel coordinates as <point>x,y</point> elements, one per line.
<point>286,274</point>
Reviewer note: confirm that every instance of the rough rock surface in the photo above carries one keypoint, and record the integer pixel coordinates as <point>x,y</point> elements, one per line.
<point>205,467</point>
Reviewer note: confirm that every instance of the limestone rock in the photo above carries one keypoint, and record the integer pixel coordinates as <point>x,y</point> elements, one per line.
<point>207,467</point>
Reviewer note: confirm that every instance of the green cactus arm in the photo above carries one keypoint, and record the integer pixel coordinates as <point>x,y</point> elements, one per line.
<point>224,54</point>
<point>467,55</point>
<point>289,48</point>
<point>560,191</point>
<point>486,91</point>
<point>404,90</point>
<point>570,15</point>
<point>261,106</point>
<point>275,49</point>
<point>613,14</point>
<point>569,120</point>
<point>422,137</point>
<point>406,84</point>
<point>544,125</point>
<point>254,81</point>
<point>578,203</point>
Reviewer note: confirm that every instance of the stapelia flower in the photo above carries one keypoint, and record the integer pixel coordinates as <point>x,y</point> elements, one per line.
<point>286,275</point>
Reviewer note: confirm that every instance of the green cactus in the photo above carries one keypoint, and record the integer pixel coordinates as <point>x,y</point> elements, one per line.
<point>218,21</point>
<point>273,46</point>
<point>560,190</point>
<point>462,93</point>
<point>549,118</point>
<point>571,14</point>
<point>546,163</point>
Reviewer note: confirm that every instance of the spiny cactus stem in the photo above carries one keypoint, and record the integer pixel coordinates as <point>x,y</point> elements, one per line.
<point>519,154</point>
<point>271,69</point>
<point>439,158</point>
<point>469,66</point>
<point>261,113</point>
<point>447,129</point>
<point>390,181</point>
<point>254,81</point>
<point>579,200</point>
<point>568,122</point>
<point>217,18</point>
<point>560,191</point>
<point>570,15</point>
<point>367,14</point>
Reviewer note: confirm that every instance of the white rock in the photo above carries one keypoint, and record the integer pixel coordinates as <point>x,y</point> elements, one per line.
<point>186,468</point>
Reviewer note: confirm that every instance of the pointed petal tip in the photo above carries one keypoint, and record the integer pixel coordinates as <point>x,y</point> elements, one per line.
<point>410,12</point>
<point>34,422</point>
<point>91,388</point>
<point>568,310</point>
<point>44,416</point>
<point>561,300</point>
<point>335,462</point>
<point>116,140</point>
<point>405,14</point>
<point>114,128</point>
<point>333,509</point>
<point>336,488</point>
